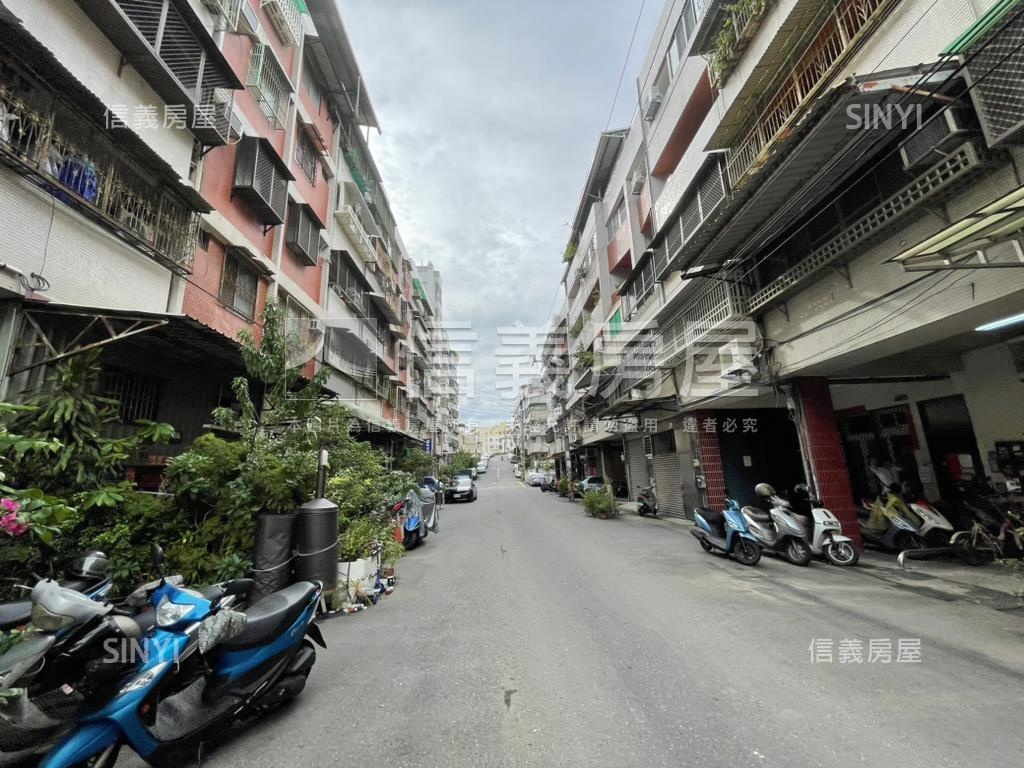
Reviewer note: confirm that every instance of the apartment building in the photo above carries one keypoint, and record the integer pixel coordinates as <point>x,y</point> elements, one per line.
<point>529,428</point>
<point>169,166</point>
<point>805,251</point>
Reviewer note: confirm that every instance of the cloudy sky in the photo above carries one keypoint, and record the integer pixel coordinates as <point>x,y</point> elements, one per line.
<point>490,113</point>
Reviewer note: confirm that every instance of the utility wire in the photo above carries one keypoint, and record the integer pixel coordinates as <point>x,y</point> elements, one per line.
<point>625,64</point>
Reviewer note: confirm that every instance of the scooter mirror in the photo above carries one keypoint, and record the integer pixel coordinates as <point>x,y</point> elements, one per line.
<point>156,555</point>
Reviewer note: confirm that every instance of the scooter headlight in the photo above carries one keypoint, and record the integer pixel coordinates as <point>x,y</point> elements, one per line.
<point>169,613</point>
<point>145,679</point>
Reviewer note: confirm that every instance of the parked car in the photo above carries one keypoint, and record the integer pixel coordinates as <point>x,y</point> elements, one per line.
<point>589,483</point>
<point>534,478</point>
<point>481,467</point>
<point>469,472</point>
<point>462,488</point>
<point>517,472</point>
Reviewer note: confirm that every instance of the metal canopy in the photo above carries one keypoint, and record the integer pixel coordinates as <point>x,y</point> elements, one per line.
<point>812,160</point>
<point>54,332</point>
<point>381,302</point>
<point>968,244</point>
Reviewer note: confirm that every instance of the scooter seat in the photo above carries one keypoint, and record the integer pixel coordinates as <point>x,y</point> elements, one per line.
<point>271,616</point>
<point>713,517</point>
<point>15,614</point>
<point>758,515</point>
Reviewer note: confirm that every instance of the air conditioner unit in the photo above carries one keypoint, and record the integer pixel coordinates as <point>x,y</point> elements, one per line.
<point>248,22</point>
<point>931,143</point>
<point>636,184</point>
<point>654,99</point>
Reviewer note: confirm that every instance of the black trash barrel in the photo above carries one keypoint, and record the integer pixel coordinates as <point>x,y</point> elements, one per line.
<point>272,557</point>
<point>316,545</point>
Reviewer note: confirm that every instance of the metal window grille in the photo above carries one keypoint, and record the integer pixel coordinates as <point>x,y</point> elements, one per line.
<point>269,84</point>
<point>997,73</point>
<point>239,285</point>
<point>308,158</point>
<point>138,396</point>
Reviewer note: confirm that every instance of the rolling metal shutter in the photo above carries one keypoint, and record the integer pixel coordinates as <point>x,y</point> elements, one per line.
<point>669,478</point>
<point>636,463</point>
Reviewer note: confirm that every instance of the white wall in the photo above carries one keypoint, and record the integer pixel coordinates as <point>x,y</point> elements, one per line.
<point>84,263</point>
<point>83,49</point>
<point>994,394</point>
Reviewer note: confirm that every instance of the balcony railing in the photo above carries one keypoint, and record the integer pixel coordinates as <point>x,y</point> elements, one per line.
<point>734,38</point>
<point>714,305</point>
<point>286,18</point>
<point>838,34</point>
<point>170,48</point>
<point>82,166</point>
<point>619,249</point>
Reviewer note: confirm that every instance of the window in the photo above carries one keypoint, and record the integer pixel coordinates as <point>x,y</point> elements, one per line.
<point>239,285</point>
<point>616,220</point>
<point>138,396</point>
<point>303,233</point>
<point>307,157</point>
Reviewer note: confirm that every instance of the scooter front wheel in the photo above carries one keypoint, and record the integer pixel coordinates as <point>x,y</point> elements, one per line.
<point>841,553</point>
<point>746,552</point>
<point>797,552</point>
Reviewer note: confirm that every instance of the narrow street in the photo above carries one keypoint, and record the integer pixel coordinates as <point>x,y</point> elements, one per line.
<point>526,634</point>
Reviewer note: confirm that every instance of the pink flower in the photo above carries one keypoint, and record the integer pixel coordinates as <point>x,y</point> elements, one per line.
<point>10,524</point>
<point>10,505</point>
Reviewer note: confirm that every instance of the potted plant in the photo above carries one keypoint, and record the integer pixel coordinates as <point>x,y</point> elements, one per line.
<point>563,487</point>
<point>599,504</point>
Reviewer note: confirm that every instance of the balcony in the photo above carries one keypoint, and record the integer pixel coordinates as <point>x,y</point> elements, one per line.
<point>354,218</point>
<point>714,305</point>
<point>840,34</point>
<point>286,18</point>
<point>269,85</point>
<point>737,29</point>
<point>167,44</point>
<point>83,166</point>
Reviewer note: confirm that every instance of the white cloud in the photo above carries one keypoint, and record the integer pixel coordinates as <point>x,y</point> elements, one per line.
<point>490,113</point>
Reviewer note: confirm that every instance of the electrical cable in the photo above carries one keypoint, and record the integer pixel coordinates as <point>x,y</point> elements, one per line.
<point>625,63</point>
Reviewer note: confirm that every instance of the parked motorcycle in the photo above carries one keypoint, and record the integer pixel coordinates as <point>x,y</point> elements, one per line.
<point>88,574</point>
<point>888,523</point>
<point>727,532</point>
<point>823,528</point>
<point>934,528</point>
<point>778,531</point>
<point>65,660</point>
<point>418,515</point>
<point>204,667</point>
<point>647,502</point>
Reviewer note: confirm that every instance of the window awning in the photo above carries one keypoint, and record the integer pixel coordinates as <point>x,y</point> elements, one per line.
<point>381,302</point>
<point>968,243</point>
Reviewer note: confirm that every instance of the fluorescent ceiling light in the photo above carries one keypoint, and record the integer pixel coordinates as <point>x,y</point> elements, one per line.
<point>997,324</point>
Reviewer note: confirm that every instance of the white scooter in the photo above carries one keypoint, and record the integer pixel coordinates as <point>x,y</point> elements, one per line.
<point>936,530</point>
<point>823,527</point>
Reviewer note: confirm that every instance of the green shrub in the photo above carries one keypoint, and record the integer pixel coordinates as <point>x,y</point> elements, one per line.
<point>599,503</point>
<point>563,487</point>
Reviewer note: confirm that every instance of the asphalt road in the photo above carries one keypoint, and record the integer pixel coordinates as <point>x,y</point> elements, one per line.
<point>526,634</point>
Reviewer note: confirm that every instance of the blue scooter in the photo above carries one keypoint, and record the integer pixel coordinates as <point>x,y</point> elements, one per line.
<point>726,531</point>
<point>203,668</point>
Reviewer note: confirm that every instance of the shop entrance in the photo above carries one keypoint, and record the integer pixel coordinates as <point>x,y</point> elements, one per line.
<point>951,443</point>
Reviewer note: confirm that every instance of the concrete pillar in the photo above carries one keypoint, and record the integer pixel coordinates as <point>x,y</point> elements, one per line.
<point>823,448</point>
<point>710,462</point>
